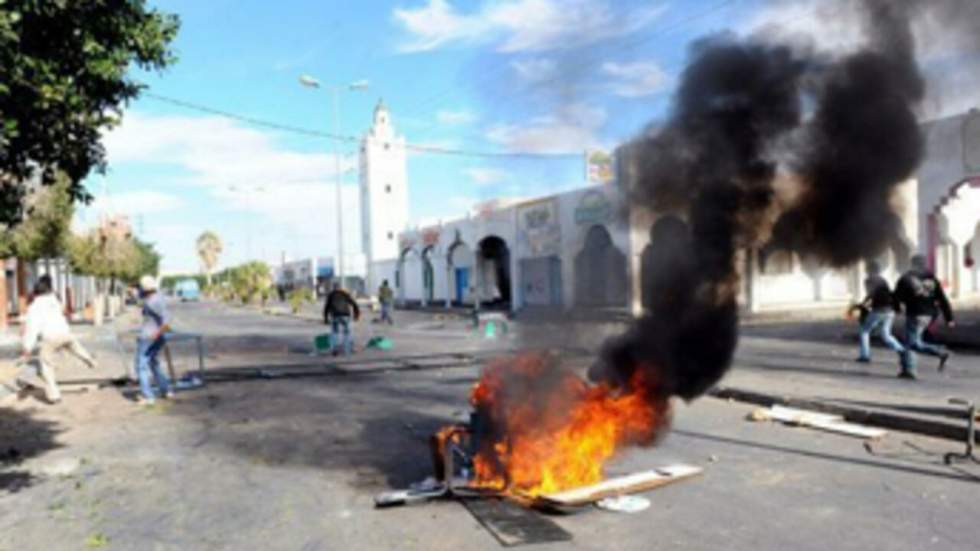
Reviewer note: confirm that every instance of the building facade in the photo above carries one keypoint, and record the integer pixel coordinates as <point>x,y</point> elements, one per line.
<point>587,248</point>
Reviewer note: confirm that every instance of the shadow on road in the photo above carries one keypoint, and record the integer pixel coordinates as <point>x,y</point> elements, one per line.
<point>22,436</point>
<point>963,476</point>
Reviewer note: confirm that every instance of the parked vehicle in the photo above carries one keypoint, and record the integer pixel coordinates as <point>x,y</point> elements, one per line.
<point>187,290</point>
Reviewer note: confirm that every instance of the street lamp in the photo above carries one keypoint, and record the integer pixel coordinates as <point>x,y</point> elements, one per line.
<point>357,85</point>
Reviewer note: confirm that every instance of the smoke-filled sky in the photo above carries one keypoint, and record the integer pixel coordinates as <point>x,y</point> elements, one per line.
<point>550,76</point>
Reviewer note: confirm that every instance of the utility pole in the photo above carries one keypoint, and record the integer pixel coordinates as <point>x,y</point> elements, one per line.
<point>311,82</point>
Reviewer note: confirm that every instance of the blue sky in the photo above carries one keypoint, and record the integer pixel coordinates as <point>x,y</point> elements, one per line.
<point>534,76</point>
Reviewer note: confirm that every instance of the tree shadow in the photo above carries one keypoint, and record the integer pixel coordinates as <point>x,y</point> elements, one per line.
<point>22,436</point>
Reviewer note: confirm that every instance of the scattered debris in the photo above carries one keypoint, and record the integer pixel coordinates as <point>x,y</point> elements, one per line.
<point>624,504</point>
<point>816,420</point>
<point>380,343</point>
<point>96,541</point>
<point>613,487</point>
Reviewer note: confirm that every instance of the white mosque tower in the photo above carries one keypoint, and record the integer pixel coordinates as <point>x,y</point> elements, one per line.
<point>384,193</point>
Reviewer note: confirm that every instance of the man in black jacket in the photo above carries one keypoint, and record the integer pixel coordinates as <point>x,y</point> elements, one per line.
<point>337,312</point>
<point>922,296</point>
<point>881,313</point>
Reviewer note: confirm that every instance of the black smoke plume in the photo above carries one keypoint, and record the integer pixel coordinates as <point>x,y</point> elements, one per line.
<point>840,131</point>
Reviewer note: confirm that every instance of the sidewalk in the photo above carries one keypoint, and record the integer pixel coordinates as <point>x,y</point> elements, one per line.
<point>823,376</point>
<point>834,328</point>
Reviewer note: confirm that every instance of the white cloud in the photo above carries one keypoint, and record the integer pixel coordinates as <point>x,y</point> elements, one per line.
<point>483,176</point>
<point>285,198</point>
<point>573,130</point>
<point>136,202</point>
<point>535,69</point>
<point>633,80</point>
<point>458,117</point>
<point>520,25</point>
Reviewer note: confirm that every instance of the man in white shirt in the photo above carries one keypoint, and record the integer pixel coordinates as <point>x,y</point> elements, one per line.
<point>45,322</point>
<point>153,331</point>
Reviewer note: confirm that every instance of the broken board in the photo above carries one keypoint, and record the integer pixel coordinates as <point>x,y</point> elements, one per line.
<point>513,524</point>
<point>629,484</point>
<point>821,421</point>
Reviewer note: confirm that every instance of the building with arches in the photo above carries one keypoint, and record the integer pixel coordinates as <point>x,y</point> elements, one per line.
<point>588,248</point>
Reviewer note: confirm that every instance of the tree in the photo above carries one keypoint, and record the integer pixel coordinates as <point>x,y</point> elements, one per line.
<point>105,254</point>
<point>63,83</point>
<point>208,250</point>
<point>148,260</point>
<point>44,233</point>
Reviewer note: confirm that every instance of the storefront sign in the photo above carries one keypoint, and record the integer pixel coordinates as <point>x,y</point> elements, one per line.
<point>593,208</point>
<point>599,167</point>
<point>539,229</point>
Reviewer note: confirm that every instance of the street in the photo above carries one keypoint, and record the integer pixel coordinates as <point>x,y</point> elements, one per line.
<point>294,463</point>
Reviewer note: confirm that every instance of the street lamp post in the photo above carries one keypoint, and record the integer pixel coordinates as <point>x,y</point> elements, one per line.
<point>335,90</point>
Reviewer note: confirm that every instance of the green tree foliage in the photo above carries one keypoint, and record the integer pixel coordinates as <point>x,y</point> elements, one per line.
<point>247,283</point>
<point>105,255</point>
<point>63,82</point>
<point>300,296</point>
<point>46,230</point>
<point>148,260</point>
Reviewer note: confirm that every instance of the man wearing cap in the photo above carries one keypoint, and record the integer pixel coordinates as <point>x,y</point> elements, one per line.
<point>152,337</point>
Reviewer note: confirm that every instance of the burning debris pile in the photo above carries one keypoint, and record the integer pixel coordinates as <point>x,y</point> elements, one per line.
<point>767,142</point>
<point>548,430</point>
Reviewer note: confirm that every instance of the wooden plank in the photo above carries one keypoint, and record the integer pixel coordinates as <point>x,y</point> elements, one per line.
<point>820,421</point>
<point>629,484</point>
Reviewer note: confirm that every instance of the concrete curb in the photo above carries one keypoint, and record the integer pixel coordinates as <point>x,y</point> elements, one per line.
<point>919,424</point>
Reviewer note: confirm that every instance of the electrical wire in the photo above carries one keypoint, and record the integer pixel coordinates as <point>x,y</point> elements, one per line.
<point>418,148</point>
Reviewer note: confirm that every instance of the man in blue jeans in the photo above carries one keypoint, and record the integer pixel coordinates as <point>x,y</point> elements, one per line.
<point>881,313</point>
<point>156,323</point>
<point>923,298</point>
<point>337,312</point>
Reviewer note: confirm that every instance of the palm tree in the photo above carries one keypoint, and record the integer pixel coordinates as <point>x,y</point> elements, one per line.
<point>208,250</point>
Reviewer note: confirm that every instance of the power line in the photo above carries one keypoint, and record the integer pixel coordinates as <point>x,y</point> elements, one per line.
<point>419,148</point>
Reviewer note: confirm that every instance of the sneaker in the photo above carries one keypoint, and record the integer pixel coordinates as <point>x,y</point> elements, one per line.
<point>907,375</point>
<point>169,395</point>
<point>942,361</point>
<point>143,401</point>
<point>863,360</point>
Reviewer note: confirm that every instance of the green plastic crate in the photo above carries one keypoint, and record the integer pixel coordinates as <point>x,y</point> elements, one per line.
<point>323,343</point>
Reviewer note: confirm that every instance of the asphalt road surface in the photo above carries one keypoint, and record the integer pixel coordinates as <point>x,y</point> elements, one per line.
<point>295,463</point>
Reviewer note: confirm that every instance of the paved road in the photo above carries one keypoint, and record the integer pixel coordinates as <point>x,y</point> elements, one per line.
<point>294,464</point>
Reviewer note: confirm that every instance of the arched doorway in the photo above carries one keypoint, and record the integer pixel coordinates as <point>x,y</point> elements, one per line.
<point>460,277</point>
<point>428,276</point>
<point>494,273</point>
<point>600,271</point>
<point>667,263</point>
<point>408,276</point>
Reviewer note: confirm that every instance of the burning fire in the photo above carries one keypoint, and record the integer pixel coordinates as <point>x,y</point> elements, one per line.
<point>549,430</point>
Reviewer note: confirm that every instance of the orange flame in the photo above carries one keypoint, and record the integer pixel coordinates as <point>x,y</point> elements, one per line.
<point>550,430</point>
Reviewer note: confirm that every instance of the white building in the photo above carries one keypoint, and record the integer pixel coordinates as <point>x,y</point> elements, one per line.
<point>586,249</point>
<point>384,196</point>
